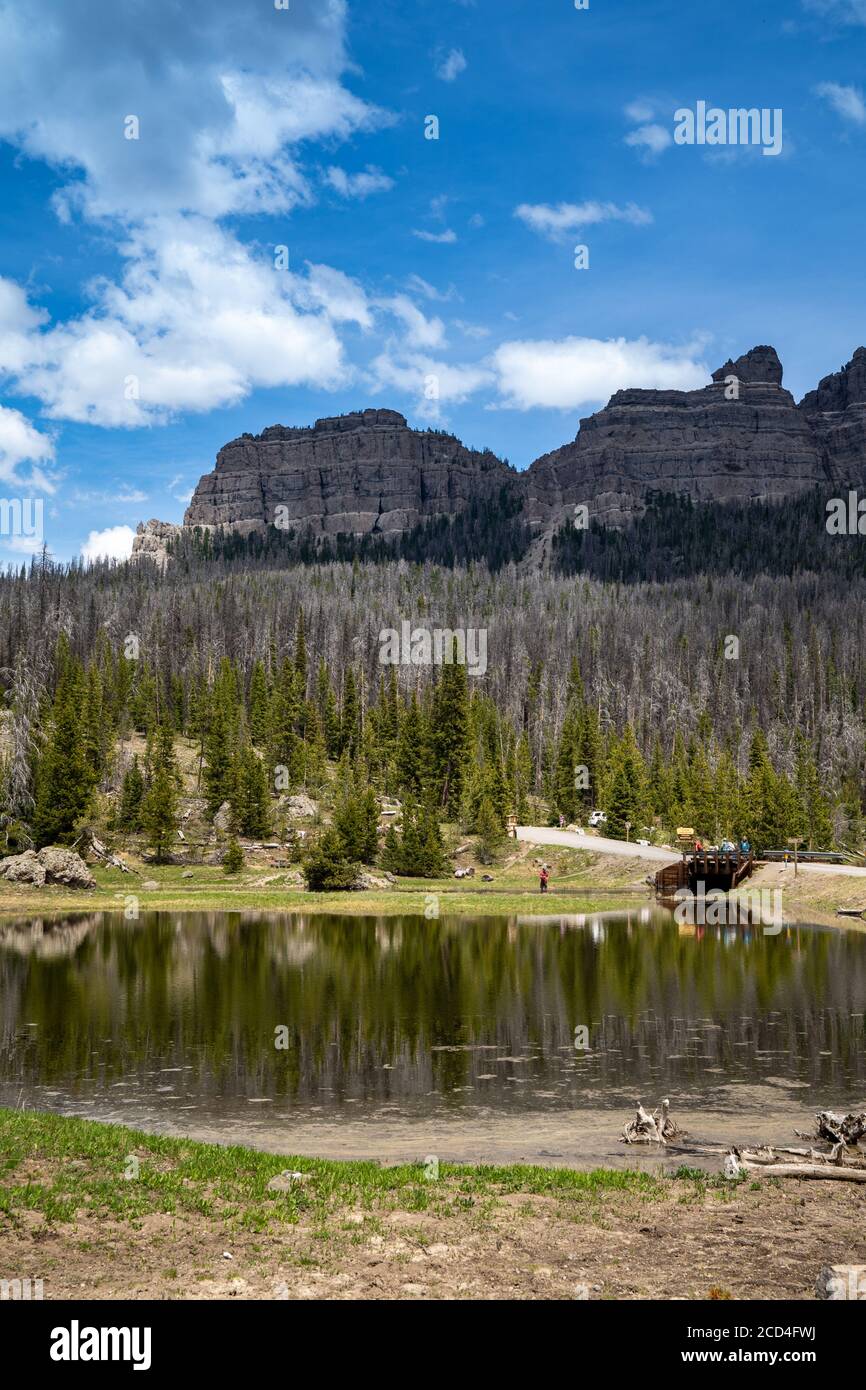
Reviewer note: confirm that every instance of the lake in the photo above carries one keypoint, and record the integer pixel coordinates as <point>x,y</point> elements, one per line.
<point>399,1037</point>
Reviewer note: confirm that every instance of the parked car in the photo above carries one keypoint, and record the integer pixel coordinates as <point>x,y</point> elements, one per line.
<point>642,842</point>
<point>597,818</point>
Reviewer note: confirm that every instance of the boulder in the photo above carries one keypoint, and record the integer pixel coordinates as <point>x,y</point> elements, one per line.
<point>300,807</point>
<point>65,866</point>
<point>366,881</point>
<point>51,865</point>
<point>23,868</point>
<point>222,821</point>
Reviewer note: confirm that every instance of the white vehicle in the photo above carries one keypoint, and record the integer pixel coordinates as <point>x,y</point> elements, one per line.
<point>597,818</point>
<point>642,842</point>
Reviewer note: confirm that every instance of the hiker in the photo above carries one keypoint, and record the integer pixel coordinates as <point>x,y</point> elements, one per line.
<point>543,878</point>
<point>745,846</point>
<point>561,820</point>
<point>698,847</point>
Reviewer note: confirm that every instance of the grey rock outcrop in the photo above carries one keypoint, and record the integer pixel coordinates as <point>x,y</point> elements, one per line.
<point>368,473</point>
<point>742,440</point>
<point>151,541</point>
<point>361,473</point>
<point>836,412</point>
<point>51,865</point>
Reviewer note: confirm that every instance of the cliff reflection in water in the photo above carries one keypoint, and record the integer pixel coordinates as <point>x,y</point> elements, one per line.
<point>181,1010</point>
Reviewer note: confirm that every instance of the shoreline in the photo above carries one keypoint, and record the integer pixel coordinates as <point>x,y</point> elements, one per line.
<point>99,1211</point>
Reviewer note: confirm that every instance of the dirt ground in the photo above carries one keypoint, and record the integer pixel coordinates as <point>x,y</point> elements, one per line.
<point>690,1242</point>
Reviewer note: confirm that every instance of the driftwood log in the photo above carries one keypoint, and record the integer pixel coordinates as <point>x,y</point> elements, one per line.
<point>837,1129</point>
<point>658,1128</point>
<point>796,1163</point>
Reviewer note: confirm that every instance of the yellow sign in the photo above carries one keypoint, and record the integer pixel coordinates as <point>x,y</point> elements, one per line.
<point>685,832</point>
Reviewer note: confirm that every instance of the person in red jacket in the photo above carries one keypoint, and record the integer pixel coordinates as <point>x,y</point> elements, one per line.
<point>543,878</point>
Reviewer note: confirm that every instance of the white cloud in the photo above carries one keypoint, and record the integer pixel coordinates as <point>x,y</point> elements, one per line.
<point>639,111</point>
<point>21,443</point>
<point>451,67</point>
<point>471,330</point>
<point>343,299</point>
<point>423,287</point>
<point>421,332</point>
<point>226,96</point>
<point>372,180</point>
<point>114,543</point>
<point>218,91</point>
<point>574,372</point>
<point>431,382</point>
<point>847,102</point>
<point>446,238</point>
<point>194,323</point>
<point>558,221</point>
<point>652,138</point>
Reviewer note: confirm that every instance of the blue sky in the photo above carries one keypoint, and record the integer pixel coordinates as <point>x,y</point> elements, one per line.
<point>144,322</point>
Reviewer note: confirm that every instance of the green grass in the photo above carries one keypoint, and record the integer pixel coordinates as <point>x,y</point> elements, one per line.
<point>66,1167</point>
<point>210,889</point>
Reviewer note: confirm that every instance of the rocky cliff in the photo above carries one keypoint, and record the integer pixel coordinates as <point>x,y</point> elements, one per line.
<point>360,473</point>
<point>740,437</point>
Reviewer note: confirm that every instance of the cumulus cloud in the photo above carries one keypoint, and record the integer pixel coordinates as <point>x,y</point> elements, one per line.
<point>195,322</point>
<point>450,68</point>
<point>21,443</point>
<point>225,96</point>
<point>220,92</point>
<point>432,382</point>
<point>556,222</point>
<point>570,373</point>
<point>372,180</point>
<point>847,102</point>
<point>420,331</point>
<point>114,543</point>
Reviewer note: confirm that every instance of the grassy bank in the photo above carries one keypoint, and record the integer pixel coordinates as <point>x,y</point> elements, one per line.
<point>581,883</point>
<point>199,1221</point>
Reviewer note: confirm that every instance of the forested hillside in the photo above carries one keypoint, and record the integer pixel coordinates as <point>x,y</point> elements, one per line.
<point>276,675</point>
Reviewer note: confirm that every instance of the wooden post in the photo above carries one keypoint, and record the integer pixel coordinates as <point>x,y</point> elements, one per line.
<point>796,841</point>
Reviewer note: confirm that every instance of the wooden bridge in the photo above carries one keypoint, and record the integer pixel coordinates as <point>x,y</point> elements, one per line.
<point>719,871</point>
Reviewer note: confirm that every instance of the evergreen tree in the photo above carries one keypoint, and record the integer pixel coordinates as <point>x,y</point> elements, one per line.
<point>326,868</point>
<point>250,795</point>
<point>451,736</point>
<point>233,859</point>
<point>131,797</point>
<point>159,805</point>
<point>64,782</point>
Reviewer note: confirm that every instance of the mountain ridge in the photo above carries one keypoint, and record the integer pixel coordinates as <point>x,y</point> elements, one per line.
<point>742,437</point>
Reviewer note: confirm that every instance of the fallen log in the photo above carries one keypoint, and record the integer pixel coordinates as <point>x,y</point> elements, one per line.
<point>739,1164</point>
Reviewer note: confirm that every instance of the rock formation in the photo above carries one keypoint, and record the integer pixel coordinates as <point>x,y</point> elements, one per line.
<point>151,541</point>
<point>742,437</point>
<point>360,473</point>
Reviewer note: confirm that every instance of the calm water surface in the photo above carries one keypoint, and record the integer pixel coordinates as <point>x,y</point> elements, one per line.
<point>396,1029</point>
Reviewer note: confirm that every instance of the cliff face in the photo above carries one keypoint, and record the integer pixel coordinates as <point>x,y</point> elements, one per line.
<point>744,440</point>
<point>370,473</point>
<point>360,473</point>
<point>836,413</point>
